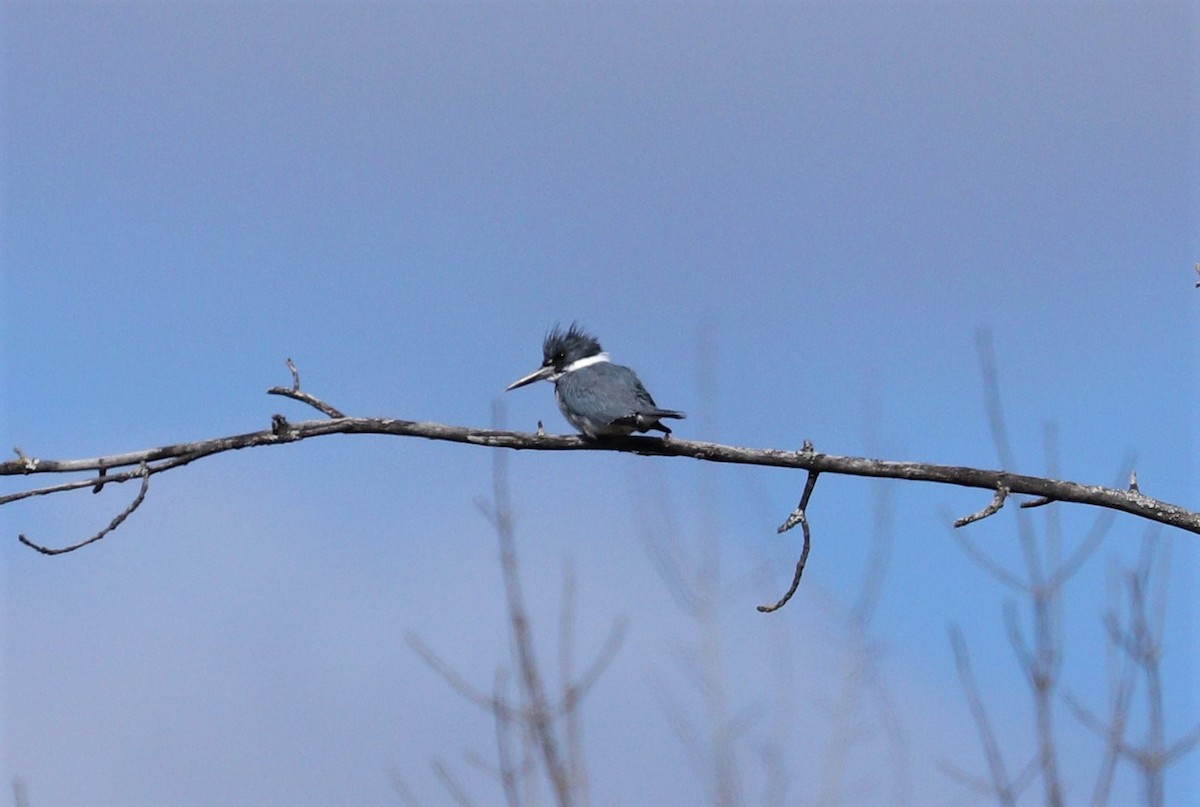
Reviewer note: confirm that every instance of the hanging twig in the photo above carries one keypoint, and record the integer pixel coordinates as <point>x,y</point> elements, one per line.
<point>797,516</point>
<point>112,525</point>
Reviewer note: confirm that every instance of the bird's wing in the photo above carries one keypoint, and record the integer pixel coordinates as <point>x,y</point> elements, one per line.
<point>606,392</point>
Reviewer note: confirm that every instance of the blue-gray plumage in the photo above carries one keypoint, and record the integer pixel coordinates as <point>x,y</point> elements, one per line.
<point>599,398</point>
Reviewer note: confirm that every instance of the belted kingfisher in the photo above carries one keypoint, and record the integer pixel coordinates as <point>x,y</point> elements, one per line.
<point>599,398</point>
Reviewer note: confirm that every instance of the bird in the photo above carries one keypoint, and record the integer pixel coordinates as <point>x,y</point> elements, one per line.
<point>597,397</point>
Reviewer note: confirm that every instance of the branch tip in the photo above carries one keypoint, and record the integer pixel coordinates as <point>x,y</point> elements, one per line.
<point>296,394</point>
<point>993,507</point>
<point>291,365</point>
<point>766,609</point>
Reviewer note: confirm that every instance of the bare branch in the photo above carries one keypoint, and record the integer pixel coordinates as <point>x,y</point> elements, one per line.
<point>1121,500</point>
<point>1125,501</point>
<point>116,468</point>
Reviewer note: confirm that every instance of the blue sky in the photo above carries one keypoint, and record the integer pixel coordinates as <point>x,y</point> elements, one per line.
<point>790,218</point>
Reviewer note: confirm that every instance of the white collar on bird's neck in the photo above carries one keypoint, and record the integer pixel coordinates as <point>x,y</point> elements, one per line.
<point>587,361</point>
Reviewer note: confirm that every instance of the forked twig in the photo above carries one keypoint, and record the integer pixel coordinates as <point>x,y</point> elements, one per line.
<point>295,393</point>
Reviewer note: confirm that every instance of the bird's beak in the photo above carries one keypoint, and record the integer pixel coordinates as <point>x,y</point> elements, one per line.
<point>536,375</point>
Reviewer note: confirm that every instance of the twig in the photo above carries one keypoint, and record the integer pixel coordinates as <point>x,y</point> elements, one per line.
<point>112,525</point>
<point>403,791</point>
<point>992,508</point>
<point>450,783</point>
<point>797,516</point>
<point>456,681</point>
<point>297,394</point>
<point>507,768</point>
<point>291,365</point>
<point>576,691</point>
